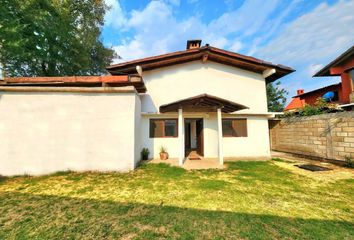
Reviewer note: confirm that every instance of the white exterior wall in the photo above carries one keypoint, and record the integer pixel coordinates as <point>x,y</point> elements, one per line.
<point>256,144</point>
<point>137,131</point>
<point>186,80</point>
<point>154,144</point>
<point>41,133</point>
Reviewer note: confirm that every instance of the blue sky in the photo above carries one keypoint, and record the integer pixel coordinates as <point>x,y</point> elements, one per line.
<point>302,34</point>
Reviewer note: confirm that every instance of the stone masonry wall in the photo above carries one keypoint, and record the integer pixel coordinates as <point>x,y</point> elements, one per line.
<point>329,136</point>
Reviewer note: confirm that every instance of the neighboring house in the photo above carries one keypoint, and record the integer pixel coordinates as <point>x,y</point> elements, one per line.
<point>302,98</point>
<point>202,99</point>
<point>342,66</point>
<point>296,102</point>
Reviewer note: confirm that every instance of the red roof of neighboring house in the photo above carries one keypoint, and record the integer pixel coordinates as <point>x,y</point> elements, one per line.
<point>325,71</point>
<point>204,53</point>
<point>329,88</point>
<point>77,81</point>
<point>295,103</point>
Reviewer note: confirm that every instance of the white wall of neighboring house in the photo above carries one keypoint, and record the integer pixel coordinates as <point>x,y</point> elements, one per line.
<point>42,133</point>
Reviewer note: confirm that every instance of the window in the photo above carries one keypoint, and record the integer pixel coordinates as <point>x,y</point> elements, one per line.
<point>234,127</point>
<point>160,128</point>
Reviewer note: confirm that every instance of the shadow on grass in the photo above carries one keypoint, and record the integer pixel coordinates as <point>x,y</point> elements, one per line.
<point>46,217</point>
<point>3,179</point>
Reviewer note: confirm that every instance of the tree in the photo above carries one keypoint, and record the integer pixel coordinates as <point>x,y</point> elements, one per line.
<point>276,97</point>
<point>53,37</point>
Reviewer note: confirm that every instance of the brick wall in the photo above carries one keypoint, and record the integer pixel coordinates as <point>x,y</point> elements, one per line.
<point>329,136</point>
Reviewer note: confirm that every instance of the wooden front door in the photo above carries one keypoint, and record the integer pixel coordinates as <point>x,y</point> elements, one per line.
<point>200,137</point>
<point>187,136</point>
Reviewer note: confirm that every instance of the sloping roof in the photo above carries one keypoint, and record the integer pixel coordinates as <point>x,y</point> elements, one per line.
<point>339,60</point>
<point>206,53</point>
<point>295,103</point>
<point>204,102</point>
<point>68,79</point>
<point>77,81</point>
<point>329,87</point>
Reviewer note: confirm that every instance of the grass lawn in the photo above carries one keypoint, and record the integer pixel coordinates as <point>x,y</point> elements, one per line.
<point>249,200</point>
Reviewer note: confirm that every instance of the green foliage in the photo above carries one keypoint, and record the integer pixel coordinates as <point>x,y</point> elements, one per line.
<point>320,107</point>
<point>349,162</point>
<point>276,97</point>
<point>52,37</point>
<point>145,154</point>
<point>163,149</point>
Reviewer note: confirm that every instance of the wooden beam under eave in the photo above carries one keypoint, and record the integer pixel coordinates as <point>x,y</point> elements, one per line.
<point>205,58</point>
<point>336,70</point>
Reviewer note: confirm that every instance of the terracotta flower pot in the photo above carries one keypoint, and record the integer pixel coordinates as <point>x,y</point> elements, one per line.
<point>163,155</point>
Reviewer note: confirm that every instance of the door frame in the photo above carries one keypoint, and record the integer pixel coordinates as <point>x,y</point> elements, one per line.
<point>200,138</point>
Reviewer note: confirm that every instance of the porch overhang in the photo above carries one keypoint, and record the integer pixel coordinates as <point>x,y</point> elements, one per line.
<point>202,103</point>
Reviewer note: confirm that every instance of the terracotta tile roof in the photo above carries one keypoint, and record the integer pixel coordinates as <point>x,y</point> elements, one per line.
<point>206,52</point>
<point>77,81</point>
<point>295,104</point>
<point>329,87</point>
<point>69,79</point>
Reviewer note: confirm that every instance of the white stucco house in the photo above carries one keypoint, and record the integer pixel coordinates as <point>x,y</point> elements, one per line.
<point>201,99</point>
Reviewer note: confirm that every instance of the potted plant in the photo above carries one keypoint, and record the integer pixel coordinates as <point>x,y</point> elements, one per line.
<point>145,154</point>
<point>163,153</point>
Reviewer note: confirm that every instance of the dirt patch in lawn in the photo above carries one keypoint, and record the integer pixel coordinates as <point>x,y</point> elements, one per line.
<point>337,172</point>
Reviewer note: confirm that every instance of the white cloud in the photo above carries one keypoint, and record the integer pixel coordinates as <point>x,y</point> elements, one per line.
<point>314,68</point>
<point>312,38</point>
<point>236,46</point>
<point>312,41</point>
<point>157,30</point>
<point>115,16</point>
<point>244,20</point>
<point>174,2</point>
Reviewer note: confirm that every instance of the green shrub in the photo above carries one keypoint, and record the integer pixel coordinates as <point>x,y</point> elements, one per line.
<point>145,154</point>
<point>320,107</point>
<point>349,162</point>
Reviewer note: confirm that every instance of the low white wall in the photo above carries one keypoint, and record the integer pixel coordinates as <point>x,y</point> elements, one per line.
<point>41,133</point>
<point>137,131</point>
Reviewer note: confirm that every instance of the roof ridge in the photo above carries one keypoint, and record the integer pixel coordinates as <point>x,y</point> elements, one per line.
<point>203,48</point>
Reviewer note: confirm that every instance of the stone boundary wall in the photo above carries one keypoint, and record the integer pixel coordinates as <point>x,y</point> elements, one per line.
<point>327,136</point>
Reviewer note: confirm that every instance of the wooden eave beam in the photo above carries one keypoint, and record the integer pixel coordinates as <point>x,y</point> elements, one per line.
<point>205,57</point>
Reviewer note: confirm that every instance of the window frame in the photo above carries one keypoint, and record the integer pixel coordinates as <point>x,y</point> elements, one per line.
<point>233,119</point>
<point>164,127</point>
